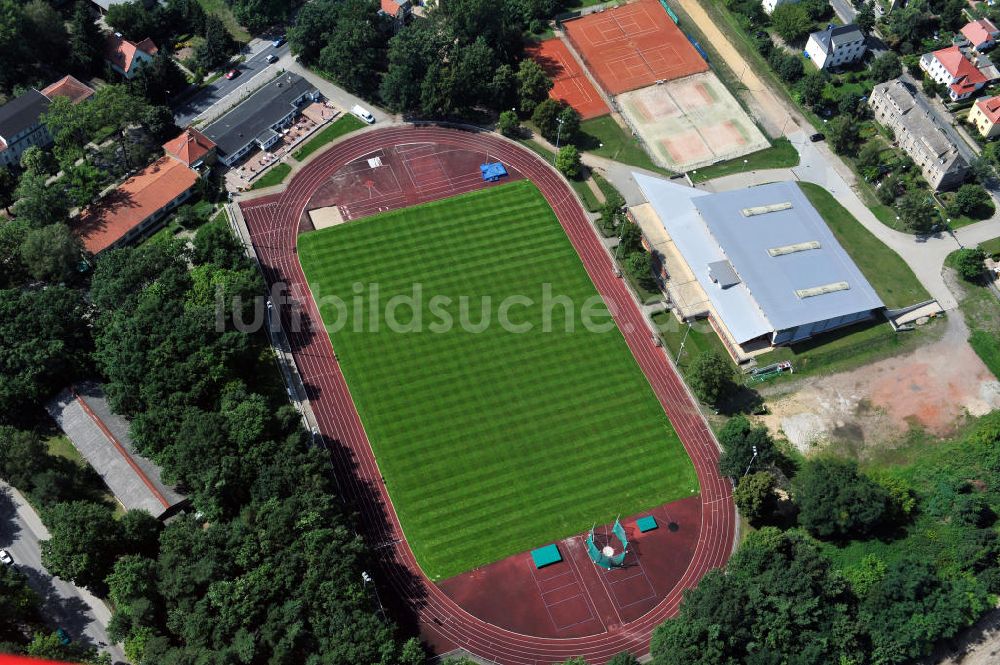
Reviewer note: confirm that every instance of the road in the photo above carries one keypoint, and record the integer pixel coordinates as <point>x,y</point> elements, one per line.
<point>844,10</point>
<point>256,62</point>
<point>83,616</point>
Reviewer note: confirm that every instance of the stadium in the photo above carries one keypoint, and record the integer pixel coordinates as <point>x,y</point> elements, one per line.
<point>536,488</point>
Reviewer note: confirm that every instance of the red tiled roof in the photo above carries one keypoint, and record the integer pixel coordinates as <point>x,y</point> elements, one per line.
<point>71,88</point>
<point>121,52</point>
<point>979,31</point>
<point>990,106</point>
<point>959,67</point>
<point>190,146</point>
<point>136,199</point>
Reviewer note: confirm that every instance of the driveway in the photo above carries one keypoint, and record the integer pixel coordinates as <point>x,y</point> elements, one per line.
<point>83,616</point>
<point>256,62</point>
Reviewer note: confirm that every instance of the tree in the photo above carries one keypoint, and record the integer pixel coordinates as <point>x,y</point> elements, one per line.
<point>507,124</point>
<point>412,52</point>
<point>811,88</point>
<point>15,57</point>
<point>51,253</point>
<point>159,122</point>
<point>971,200</point>
<point>754,496</point>
<point>160,80</point>
<point>258,15</point>
<point>623,658</point>
<point>19,604</point>
<point>38,161</point>
<point>739,438</point>
<point>8,183</point>
<point>788,67</point>
<point>865,19</point>
<point>83,182</point>
<point>533,85</point>
<point>132,19</point>
<point>843,134</point>
<point>46,31</point>
<point>218,44</point>
<point>711,378</point>
<point>22,457</point>
<point>38,204</point>
<point>546,118</point>
<point>777,602</point>
<point>836,501</point>
<point>886,66</point>
<point>792,22</point>
<point>911,606</point>
<point>45,343</point>
<point>639,265</point>
<point>84,542</point>
<point>888,189</point>
<point>498,22</point>
<point>85,41</point>
<point>570,123</point>
<point>969,263</point>
<point>355,47</point>
<point>916,211</point>
<point>313,25</point>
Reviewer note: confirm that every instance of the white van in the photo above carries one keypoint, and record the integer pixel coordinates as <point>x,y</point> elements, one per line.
<point>364,114</point>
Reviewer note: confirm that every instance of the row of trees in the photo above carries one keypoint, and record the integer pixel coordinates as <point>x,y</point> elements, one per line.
<point>930,557</point>
<point>465,55</point>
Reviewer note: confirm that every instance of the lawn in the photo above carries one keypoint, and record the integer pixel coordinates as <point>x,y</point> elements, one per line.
<point>888,273</point>
<point>275,176</point>
<point>981,310</point>
<point>491,441</point>
<point>781,154</point>
<point>221,9</point>
<point>343,125</point>
<point>991,247</point>
<point>605,138</point>
<point>701,338</point>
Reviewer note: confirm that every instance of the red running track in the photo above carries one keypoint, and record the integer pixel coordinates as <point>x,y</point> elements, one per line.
<point>273,222</point>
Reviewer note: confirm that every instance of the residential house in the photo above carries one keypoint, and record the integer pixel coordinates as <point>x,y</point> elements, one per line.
<point>191,148</point>
<point>71,88</point>
<point>397,10</point>
<point>836,46</point>
<point>981,34</point>
<point>21,126</point>
<point>894,105</point>
<point>770,5</point>
<point>127,57</point>
<point>952,68</point>
<point>136,208</point>
<point>258,121</point>
<point>21,118</point>
<point>985,116</point>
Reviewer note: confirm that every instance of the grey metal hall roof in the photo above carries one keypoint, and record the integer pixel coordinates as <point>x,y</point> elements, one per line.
<point>22,112</point>
<point>789,268</point>
<point>103,439</point>
<point>255,116</point>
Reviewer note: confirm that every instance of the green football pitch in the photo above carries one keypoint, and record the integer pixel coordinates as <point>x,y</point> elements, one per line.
<point>496,441</point>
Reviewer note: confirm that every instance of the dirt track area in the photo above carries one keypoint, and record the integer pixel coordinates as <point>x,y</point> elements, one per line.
<point>931,387</point>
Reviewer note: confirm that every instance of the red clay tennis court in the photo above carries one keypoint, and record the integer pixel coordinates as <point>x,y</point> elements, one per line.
<point>633,46</point>
<point>570,84</point>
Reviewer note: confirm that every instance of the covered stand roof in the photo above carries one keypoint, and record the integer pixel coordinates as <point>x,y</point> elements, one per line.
<point>103,439</point>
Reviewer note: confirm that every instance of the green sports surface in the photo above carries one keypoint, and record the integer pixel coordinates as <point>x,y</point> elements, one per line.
<point>491,442</point>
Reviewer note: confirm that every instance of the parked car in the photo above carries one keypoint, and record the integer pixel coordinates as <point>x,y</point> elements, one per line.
<point>363,113</point>
<point>817,137</point>
<point>272,58</point>
<point>6,558</point>
<point>232,73</point>
<point>278,41</point>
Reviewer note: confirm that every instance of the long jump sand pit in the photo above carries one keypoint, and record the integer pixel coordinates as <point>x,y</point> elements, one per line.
<point>633,46</point>
<point>691,122</point>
